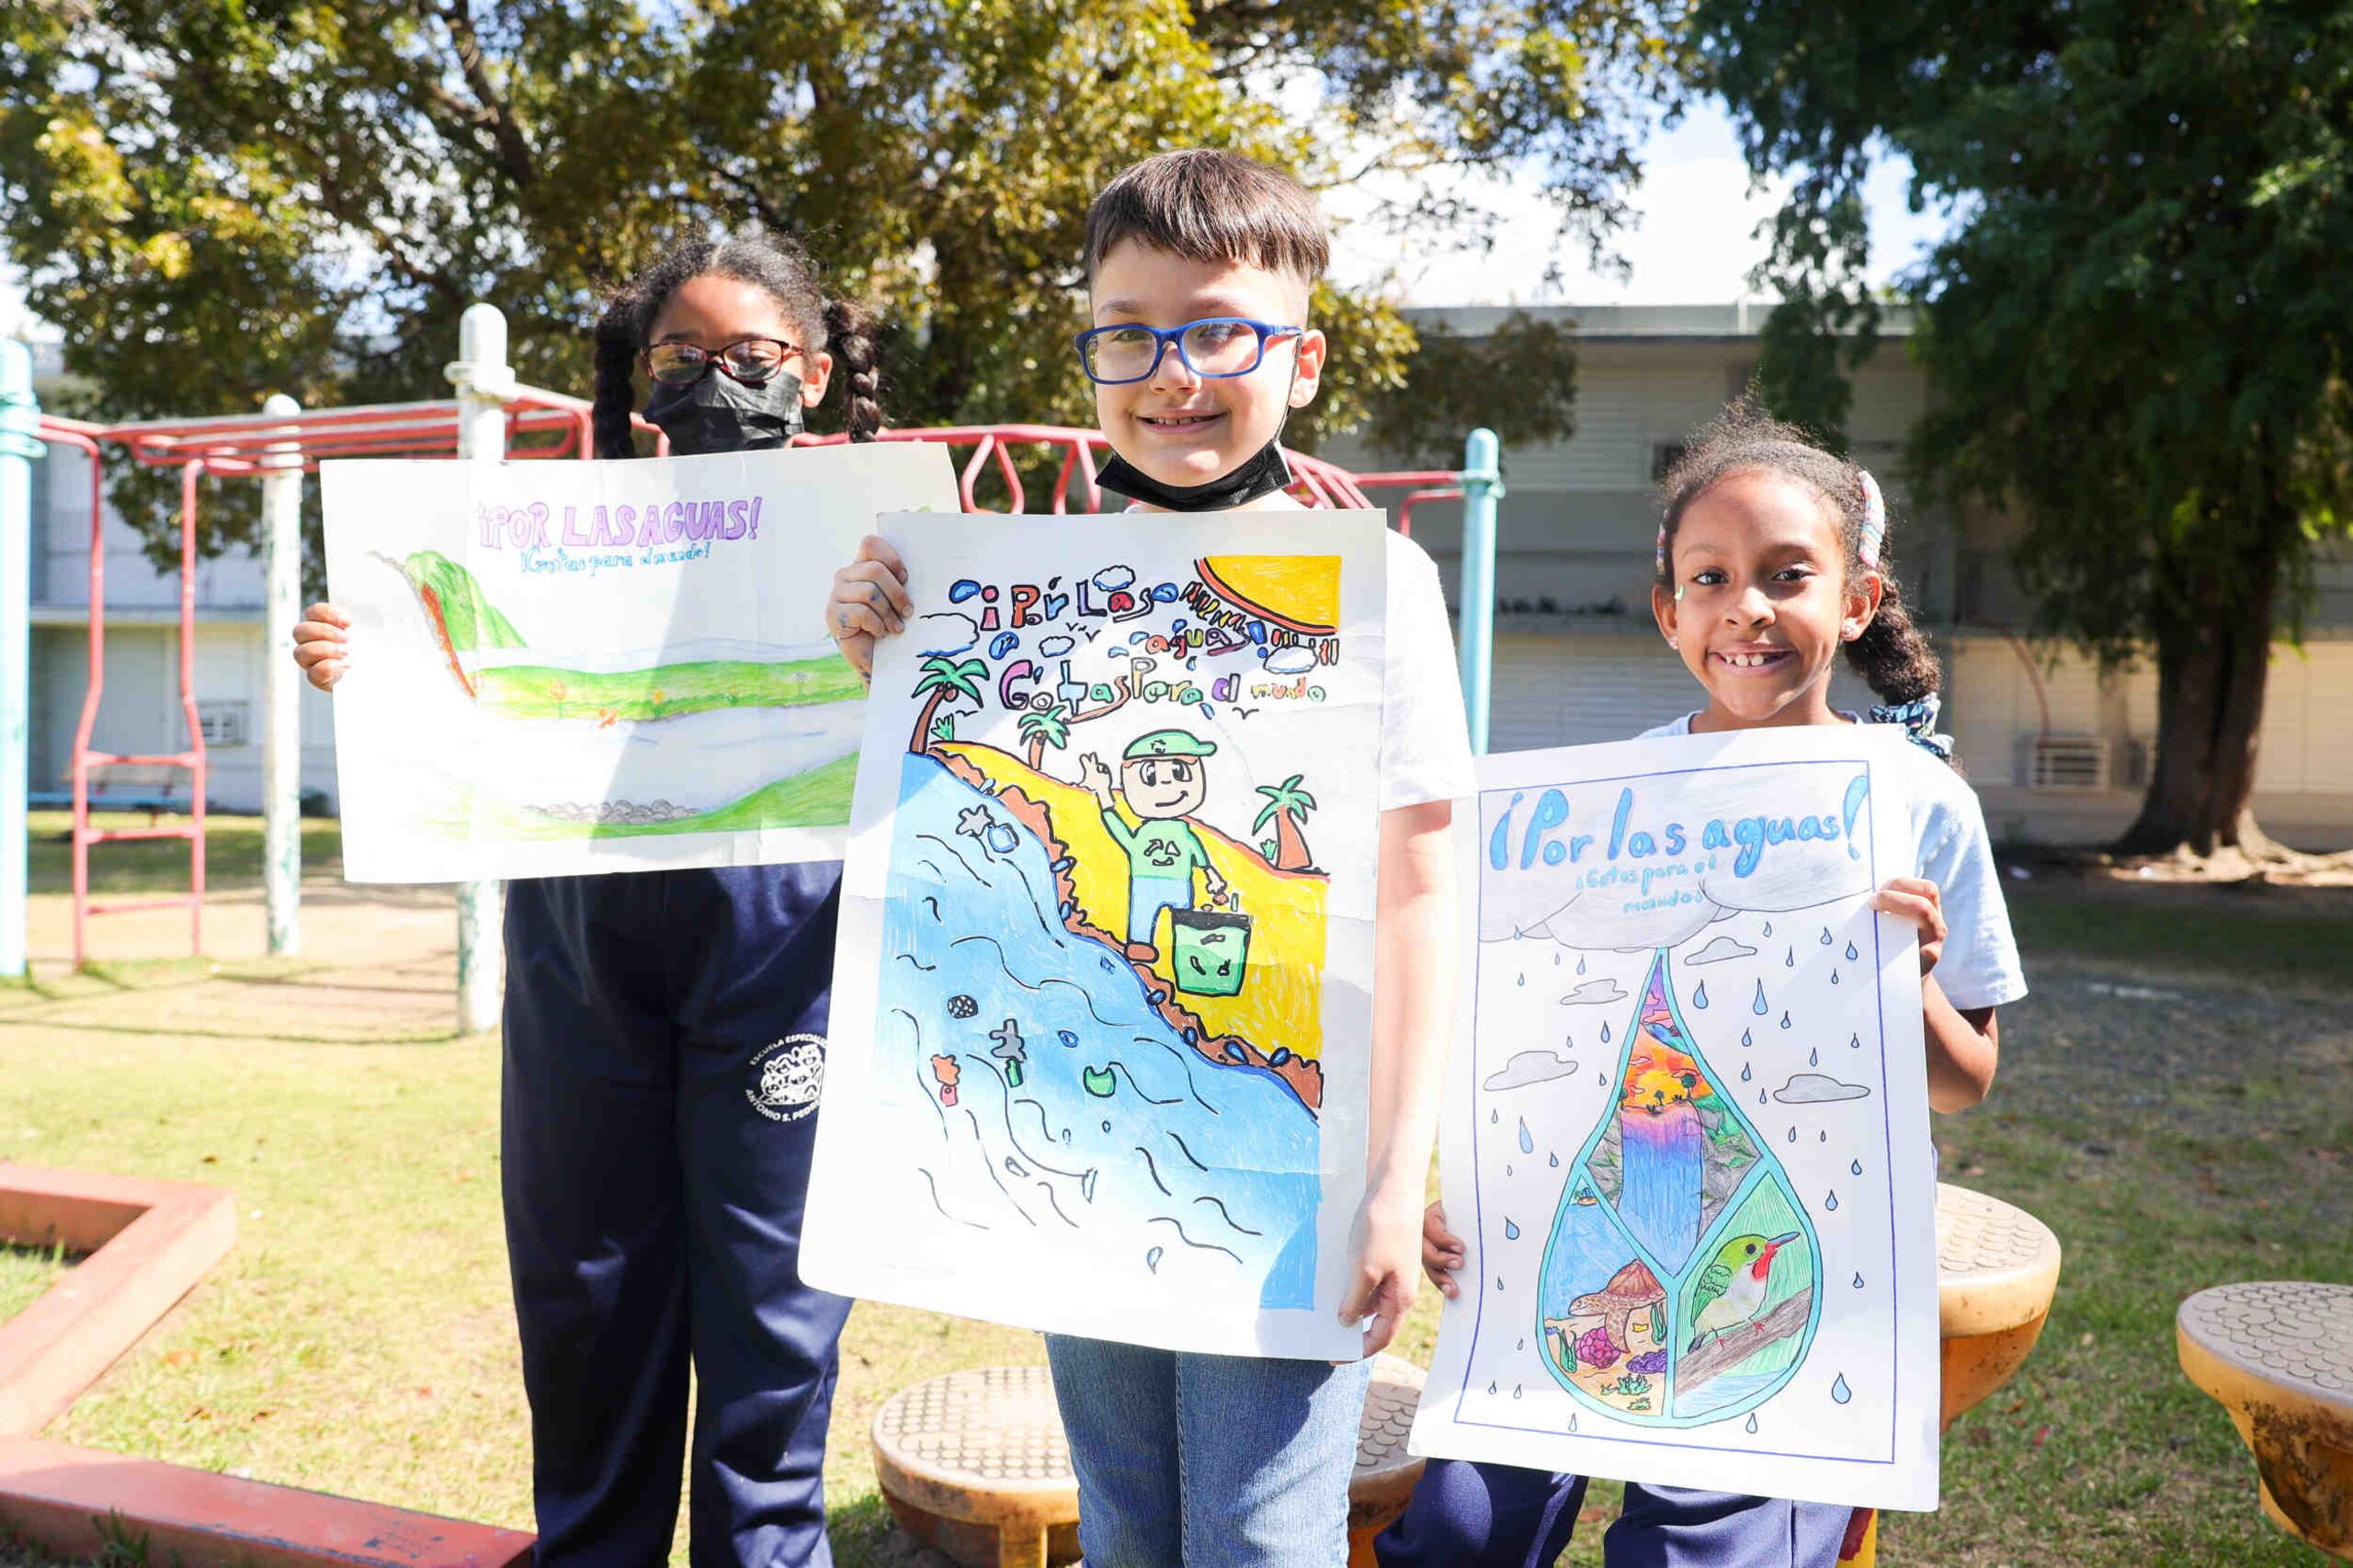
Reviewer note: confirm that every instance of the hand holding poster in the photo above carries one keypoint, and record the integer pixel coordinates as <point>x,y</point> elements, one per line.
<point>1686,1135</point>
<point>561,667</point>
<point>1102,995</point>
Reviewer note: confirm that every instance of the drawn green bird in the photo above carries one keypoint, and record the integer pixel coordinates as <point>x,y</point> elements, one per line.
<point>1733,1287</point>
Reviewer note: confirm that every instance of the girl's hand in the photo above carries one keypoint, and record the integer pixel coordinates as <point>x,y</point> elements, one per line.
<point>322,645</point>
<point>1918,900</point>
<point>870,600</point>
<point>1442,1251</point>
<point>1383,1284</point>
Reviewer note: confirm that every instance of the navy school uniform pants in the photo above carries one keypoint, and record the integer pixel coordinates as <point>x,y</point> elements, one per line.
<point>1499,1516</point>
<point>663,1043</point>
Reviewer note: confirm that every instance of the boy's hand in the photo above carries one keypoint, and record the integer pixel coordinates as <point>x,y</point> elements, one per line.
<point>870,600</point>
<point>322,645</point>
<point>1920,901</point>
<point>1442,1251</point>
<point>1096,777</point>
<point>1383,1284</point>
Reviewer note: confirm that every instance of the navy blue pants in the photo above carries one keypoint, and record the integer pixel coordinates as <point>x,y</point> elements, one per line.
<point>657,1116</point>
<point>1498,1516</point>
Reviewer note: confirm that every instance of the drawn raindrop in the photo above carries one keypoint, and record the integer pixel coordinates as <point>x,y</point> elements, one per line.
<point>1825,936</point>
<point>1572,1420</point>
<point>1760,1096</point>
<point>1813,1057</point>
<point>1785,1020</point>
<point>1556,960</point>
<point>1854,1042</point>
<point>1491,1388</point>
<point>1601,1078</point>
<point>1747,1038</point>
<point>1151,1259</point>
<point>1832,1202</point>
<point>1523,979</point>
<point>1493,1116</point>
<point>1523,1343</point>
<point>1699,994</point>
<point>1826,1135</point>
<point>1856,1166</point>
<point>1793,1135</point>
<point>1759,1007</point>
<point>1769,927</point>
<point>1851,954</point>
<point>1556,1162</point>
<point>1511,1231</point>
<point>1106,1127</point>
<point>1752,1421</point>
<point>1790,961</point>
<point>1834,977</point>
<point>1605,1034</point>
<point>1580,964</point>
<point>1516,1389</point>
<point>1840,1391</point>
<point>1499,1281</point>
<point>1746,1075</point>
<point>1527,1144</point>
<point>1859,1281</point>
<point>1506,1170</point>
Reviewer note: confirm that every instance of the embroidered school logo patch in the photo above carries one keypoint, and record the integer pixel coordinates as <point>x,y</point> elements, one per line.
<point>792,1077</point>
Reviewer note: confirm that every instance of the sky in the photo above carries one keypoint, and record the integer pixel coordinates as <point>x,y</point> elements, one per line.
<point>1692,242</point>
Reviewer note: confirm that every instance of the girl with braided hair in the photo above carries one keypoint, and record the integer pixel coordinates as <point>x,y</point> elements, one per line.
<point>1772,561</point>
<point>653,1182</point>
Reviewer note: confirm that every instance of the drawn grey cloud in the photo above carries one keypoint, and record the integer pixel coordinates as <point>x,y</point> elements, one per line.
<point>1594,991</point>
<point>954,634</point>
<point>1528,1067</point>
<point>1815,1089</point>
<point>1723,947</point>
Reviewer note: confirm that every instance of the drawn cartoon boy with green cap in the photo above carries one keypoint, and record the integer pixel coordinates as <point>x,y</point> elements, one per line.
<point>1165,780</point>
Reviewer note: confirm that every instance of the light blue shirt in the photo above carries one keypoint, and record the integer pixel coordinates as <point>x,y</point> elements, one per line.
<point>1980,965</point>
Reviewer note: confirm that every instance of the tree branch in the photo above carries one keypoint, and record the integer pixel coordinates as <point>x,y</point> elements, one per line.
<point>489,110</point>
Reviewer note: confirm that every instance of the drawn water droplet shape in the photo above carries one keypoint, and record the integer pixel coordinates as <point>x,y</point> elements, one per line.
<point>1511,1232</point>
<point>1856,1166</point>
<point>1791,960</point>
<point>1760,1007</point>
<point>1506,1170</point>
<point>1493,1116</point>
<point>1825,1136</point>
<point>1769,927</point>
<point>1752,1423</point>
<point>1831,1201</point>
<point>1523,979</point>
<point>1840,1391</point>
<point>1825,936</point>
<point>1527,1144</point>
<point>1572,1420</point>
<point>1747,1038</point>
<point>1813,1057</point>
<point>1580,965</point>
<point>1556,960</point>
<point>1851,954</point>
<point>1785,1020</point>
<point>1859,1281</point>
<point>1854,1042</point>
<point>1793,1135</point>
<point>1152,1258</point>
<point>1699,994</point>
<point>1672,1171</point>
<point>1518,1389</point>
<point>1834,977</point>
<point>1491,1388</point>
<point>1605,1034</point>
<point>1556,1162</point>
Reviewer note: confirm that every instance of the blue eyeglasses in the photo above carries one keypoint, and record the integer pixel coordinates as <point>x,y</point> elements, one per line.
<point>1214,347</point>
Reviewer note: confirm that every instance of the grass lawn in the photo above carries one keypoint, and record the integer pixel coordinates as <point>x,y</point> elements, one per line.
<point>2172,1103</point>
<point>232,853</point>
<point>25,1273</point>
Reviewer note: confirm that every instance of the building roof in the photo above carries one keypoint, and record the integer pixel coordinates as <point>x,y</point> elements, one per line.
<point>1732,321</point>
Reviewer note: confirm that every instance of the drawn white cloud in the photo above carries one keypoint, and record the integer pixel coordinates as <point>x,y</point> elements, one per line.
<point>1723,947</point>
<point>1530,1067</point>
<point>1054,647</point>
<point>1593,991</point>
<point>1112,579</point>
<point>1290,661</point>
<point>953,635</point>
<point>1816,1089</point>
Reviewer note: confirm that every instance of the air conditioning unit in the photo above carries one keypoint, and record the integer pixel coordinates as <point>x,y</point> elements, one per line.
<point>2069,764</point>
<point>223,724</point>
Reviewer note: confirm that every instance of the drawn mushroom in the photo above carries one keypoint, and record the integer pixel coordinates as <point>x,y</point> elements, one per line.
<point>1631,1289</point>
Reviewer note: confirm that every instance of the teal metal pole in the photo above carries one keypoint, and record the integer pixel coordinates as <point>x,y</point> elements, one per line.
<point>20,443</point>
<point>1483,486</point>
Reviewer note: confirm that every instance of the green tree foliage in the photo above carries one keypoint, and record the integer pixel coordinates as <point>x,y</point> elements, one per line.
<point>2137,328</point>
<point>217,199</point>
<point>1518,381</point>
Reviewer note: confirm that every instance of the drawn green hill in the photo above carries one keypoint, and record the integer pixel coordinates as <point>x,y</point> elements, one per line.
<point>665,691</point>
<point>468,618</point>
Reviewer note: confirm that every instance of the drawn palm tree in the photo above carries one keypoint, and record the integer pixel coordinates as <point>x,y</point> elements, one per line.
<point>1043,727</point>
<point>943,677</point>
<point>1287,807</point>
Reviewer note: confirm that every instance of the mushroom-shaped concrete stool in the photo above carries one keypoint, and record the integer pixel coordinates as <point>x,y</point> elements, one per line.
<point>2278,1355</point>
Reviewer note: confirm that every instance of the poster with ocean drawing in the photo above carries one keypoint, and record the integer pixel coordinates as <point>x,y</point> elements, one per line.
<point>568,667</point>
<point>1102,998</point>
<point>1686,1129</point>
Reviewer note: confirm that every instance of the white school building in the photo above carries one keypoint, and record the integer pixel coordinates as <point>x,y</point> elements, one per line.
<point>2056,752</point>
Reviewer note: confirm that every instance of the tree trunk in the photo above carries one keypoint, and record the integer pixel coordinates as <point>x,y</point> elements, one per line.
<point>920,743</point>
<point>2211,678</point>
<point>1038,755</point>
<point>1291,845</point>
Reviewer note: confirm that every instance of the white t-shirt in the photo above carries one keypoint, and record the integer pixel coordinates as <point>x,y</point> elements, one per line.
<point>1425,740</point>
<point>1980,964</point>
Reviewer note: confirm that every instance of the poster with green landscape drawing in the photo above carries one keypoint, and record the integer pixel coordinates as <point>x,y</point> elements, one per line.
<point>569,667</point>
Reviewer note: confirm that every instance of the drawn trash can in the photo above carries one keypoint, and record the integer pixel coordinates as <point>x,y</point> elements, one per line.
<point>1212,950</point>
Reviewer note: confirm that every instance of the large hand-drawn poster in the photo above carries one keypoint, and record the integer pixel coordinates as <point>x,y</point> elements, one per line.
<point>1685,1129</point>
<point>564,667</point>
<point>1102,999</point>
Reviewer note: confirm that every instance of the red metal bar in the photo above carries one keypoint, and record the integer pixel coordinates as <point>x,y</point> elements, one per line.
<point>72,433</point>
<point>130,906</point>
<point>188,477</point>
<point>119,835</point>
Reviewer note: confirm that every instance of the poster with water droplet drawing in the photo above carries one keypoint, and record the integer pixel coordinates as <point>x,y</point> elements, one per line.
<point>1101,1002</point>
<point>560,668</point>
<point>1686,1129</point>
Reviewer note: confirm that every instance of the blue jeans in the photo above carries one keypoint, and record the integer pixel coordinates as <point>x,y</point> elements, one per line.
<point>1208,1461</point>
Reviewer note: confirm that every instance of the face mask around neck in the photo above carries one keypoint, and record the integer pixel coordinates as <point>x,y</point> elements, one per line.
<point>1260,475</point>
<point>719,414</point>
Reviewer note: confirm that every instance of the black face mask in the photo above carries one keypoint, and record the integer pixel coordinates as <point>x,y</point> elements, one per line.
<point>1260,475</point>
<point>719,414</point>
